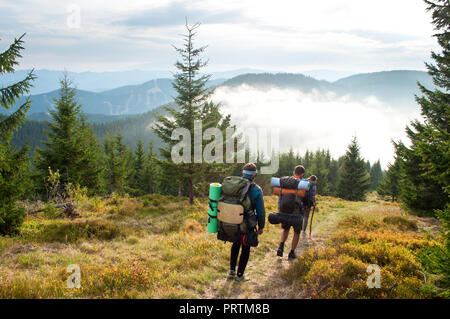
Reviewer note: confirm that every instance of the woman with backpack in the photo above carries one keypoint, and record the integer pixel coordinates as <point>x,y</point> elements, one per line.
<point>255,195</point>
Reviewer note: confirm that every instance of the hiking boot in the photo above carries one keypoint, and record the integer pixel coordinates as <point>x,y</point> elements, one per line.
<point>292,255</point>
<point>231,274</point>
<point>280,250</point>
<point>240,278</point>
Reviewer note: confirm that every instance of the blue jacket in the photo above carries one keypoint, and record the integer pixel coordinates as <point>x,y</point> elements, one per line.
<point>256,196</point>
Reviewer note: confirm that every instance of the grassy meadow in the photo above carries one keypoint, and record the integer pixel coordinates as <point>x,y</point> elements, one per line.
<point>157,247</point>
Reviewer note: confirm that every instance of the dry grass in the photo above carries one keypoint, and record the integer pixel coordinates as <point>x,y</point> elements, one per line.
<point>157,247</point>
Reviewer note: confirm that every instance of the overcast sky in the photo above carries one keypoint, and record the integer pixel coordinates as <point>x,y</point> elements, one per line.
<point>292,36</point>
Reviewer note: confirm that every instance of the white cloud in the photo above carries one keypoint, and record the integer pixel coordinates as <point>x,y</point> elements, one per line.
<point>313,120</point>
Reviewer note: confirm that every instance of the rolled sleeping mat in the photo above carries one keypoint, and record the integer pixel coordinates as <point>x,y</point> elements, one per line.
<point>303,184</point>
<point>275,181</point>
<point>274,218</point>
<point>286,219</point>
<point>214,195</point>
<point>299,192</point>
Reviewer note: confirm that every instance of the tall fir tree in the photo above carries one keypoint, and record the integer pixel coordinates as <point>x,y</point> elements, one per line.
<point>119,165</point>
<point>425,183</point>
<point>71,147</point>
<point>318,168</point>
<point>13,163</point>
<point>376,175</point>
<point>192,105</point>
<point>138,177</point>
<point>390,184</point>
<point>353,180</point>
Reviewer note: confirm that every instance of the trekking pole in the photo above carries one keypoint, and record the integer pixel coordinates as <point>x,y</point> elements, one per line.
<point>310,225</point>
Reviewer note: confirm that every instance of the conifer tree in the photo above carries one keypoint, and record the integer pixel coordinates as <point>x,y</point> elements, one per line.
<point>353,180</point>
<point>192,105</point>
<point>71,145</point>
<point>12,162</point>
<point>137,176</point>
<point>376,175</point>
<point>118,164</point>
<point>389,185</point>
<point>318,168</point>
<point>425,183</point>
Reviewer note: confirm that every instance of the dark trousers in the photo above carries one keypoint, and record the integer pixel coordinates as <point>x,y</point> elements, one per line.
<point>245,254</point>
<point>306,217</point>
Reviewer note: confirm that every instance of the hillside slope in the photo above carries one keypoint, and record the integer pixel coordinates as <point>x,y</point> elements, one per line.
<point>157,247</point>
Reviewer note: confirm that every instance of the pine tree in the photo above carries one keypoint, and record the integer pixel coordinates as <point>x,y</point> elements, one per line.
<point>118,164</point>
<point>152,174</point>
<point>192,102</point>
<point>376,175</point>
<point>389,185</point>
<point>71,147</point>
<point>13,163</point>
<point>318,168</point>
<point>333,176</point>
<point>425,183</point>
<point>353,180</point>
<point>137,176</point>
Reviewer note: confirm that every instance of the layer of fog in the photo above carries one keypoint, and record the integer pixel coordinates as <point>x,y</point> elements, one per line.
<point>316,120</point>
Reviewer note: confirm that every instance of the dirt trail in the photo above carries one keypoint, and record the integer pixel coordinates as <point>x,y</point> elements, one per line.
<point>263,275</point>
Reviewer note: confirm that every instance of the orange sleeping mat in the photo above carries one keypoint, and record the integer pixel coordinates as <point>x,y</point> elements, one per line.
<point>301,192</point>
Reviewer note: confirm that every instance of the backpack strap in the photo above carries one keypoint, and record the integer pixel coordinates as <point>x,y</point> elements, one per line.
<point>245,191</point>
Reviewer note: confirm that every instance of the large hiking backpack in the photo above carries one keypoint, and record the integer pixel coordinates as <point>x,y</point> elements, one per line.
<point>289,203</point>
<point>235,209</point>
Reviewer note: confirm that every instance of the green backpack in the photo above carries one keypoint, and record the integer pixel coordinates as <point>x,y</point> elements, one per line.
<point>234,201</point>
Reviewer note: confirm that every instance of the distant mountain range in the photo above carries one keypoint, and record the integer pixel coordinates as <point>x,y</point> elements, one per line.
<point>125,100</point>
<point>396,88</point>
<point>48,80</point>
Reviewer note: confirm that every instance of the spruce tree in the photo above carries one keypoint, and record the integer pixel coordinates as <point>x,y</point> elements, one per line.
<point>425,183</point>
<point>318,168</point>
<point>137,176</point>
<point>151,178</point>
<point>71,146</point>
<point>390,184</point>
<point>354,180</point>
<point>376,175</point>
<point>118,164</point>
<point>192,105</point>
<point>13,176</point>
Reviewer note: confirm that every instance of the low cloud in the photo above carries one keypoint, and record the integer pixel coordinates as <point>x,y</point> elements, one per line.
<point>313,120</point>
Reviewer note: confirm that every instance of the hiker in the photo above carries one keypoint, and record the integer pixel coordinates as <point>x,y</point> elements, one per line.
<point>299,172</point>
<point>255,195</point>
<point>309,201</point>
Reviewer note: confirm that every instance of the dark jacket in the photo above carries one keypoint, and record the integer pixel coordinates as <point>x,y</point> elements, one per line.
<point>256,197</point>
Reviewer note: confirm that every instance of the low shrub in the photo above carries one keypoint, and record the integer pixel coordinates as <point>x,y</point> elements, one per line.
<point>70,231</point>
<point>401,222</point>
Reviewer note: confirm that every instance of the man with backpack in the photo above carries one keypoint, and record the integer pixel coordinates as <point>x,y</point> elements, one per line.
<point>240,210</point>
<point>296,210</point>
